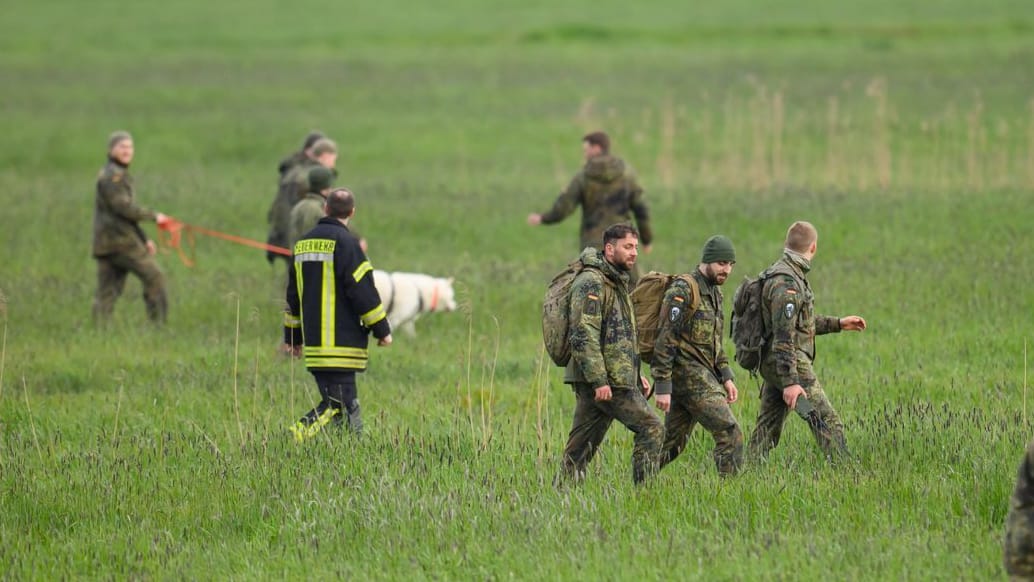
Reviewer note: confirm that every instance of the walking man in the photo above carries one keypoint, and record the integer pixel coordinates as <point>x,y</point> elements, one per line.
<point>604,367</point>
<point>788,308</point>
<point>332,307</point>
<point>691,372</point>
<point>608,193</point>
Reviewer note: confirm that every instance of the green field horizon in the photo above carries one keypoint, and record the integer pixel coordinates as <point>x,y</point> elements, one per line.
<point>903,130</point>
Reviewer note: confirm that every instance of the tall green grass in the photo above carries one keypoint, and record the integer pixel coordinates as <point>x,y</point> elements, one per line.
<point>905,133</point>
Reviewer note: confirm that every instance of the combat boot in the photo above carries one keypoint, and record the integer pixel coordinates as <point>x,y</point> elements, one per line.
<point>355,418</point>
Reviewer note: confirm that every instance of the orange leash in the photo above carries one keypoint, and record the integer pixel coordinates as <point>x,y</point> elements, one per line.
<point>171,234</point>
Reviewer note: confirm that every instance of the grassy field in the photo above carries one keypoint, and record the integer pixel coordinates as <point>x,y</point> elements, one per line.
<point>903,130</point>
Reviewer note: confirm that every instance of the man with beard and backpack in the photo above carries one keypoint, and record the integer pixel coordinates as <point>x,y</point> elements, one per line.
<point>691,373</point>
<point>603,369</point>
<point>786,307</point>
<point>608,193</point>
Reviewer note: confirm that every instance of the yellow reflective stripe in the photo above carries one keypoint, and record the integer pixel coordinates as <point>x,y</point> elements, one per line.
<point>338,351</point>
<point>329,302</point>
<point>374,315</point>
<point>363,268</point>
<point>291,320</point>
<point>349,363</point>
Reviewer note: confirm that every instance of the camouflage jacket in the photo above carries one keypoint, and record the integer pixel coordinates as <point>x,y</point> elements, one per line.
<point>686,339</point>
<point>608,193</point>
<point>602,333</point>
<point>789,312</point>
<point>116,213</point>
<point>304,216</point>
<point>293,186</point>
<point>1019,523</point>
<point>290,162</point>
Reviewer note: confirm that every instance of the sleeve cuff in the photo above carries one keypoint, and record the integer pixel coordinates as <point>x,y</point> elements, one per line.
<point>293,336</point>
<point>790,382</point>
<point>727,374</point>
<point>662,387</point>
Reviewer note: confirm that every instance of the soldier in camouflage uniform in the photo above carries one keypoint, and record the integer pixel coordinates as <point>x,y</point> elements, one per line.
<point>293,186</point>
<point>299,157</point>
<point>787,358</point>
<point>604,367</point>
<point>119,245</point>
<point>1019,524</point>
<point>309,209</point>
<point>691,372</point>
<point>608,193</point>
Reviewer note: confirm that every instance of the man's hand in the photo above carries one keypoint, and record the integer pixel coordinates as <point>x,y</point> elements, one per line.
<point>852,323</point>
<point>646,249</point>
<point>363,245</point>
<point>645,385</point>
<point>791,393</point>
<point>287,349</point>
<point>160,219</point>
<point>664,402</point>
<point>384,341</point>
<point>151,249</point>
<point>731,392</point>
<point>534,219</point>
<point>603,393</point>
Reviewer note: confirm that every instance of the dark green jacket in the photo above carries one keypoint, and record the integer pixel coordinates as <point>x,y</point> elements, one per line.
<point>608,193</point>
<point>293,186</point>
<point>290,162</point>
<point>789,312</point>
<point>305,215</point>
<point>116,213</point>
<point>602,333</point>
<point>690,339</point>
<point>1019,523</point>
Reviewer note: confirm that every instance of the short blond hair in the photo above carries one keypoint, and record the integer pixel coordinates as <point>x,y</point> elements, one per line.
<point>800,236</point>
<point>324,146</point>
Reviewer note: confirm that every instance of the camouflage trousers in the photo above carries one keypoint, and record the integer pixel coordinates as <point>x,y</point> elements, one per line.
<point>1019,523</point>
<point>827,427</point>
<point>591,421</point>
<point>112,271</point>
<point>698,397</point>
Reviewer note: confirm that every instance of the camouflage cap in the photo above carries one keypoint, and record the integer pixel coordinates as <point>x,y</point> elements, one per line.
<point>717,249</point>
<point>320,179</point>
<point>118,137</point>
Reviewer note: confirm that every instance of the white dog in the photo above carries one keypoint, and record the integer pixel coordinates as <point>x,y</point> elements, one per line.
<point>407,296</point>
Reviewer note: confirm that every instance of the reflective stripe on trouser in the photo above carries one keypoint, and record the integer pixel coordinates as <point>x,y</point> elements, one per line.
<point>769,428</point>
<point>592,419</point>
<point>112,271</point>
<point>698,397</point>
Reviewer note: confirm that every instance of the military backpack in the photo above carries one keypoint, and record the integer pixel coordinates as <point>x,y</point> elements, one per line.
<point>647,302</point>
<point>556,310</point>
<point>748,320</point>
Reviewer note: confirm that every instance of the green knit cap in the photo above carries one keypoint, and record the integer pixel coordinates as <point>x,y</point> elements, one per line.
<point>320,178</point>
<point>717,249</point>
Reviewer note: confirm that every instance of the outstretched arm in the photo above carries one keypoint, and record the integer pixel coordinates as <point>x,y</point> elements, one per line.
<point>565,204</point>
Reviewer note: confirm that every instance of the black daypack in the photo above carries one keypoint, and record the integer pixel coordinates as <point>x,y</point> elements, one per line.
<point>748,319</point>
